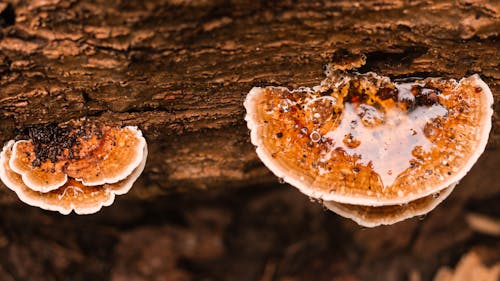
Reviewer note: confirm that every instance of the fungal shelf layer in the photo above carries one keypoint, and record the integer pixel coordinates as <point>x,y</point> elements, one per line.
<point>78,165</point>
<point>369,145</point>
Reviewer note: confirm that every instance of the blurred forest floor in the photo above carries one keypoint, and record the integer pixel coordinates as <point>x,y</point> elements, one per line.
<point>256,233</point>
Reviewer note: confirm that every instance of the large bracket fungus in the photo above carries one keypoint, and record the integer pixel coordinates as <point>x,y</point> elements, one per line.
<point>380,151</point>
<point>78,165</point>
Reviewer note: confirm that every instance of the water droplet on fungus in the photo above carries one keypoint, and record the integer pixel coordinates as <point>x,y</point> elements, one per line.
<point>372,139</point>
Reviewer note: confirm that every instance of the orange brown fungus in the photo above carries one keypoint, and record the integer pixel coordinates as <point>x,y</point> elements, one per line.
<point>76,166</point>
<point>362,139</point>
<point>370,216</point>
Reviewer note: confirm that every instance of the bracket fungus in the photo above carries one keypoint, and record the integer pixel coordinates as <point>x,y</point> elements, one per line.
<point>370,216</point>
<point>78,165</point>
<point>380,151</point>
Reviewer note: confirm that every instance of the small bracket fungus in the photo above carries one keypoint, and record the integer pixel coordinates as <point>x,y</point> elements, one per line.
<point>78,165</point>
<point>377,149</point>
<point>370,216</point>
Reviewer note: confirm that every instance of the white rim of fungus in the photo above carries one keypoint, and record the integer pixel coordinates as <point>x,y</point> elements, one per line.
<point>25,177</point>
<point>12,186</point>
<point>130,180</point>
<point>129,168</point>
<point>406,214</point>
<point>93,209</point>
<point>486,101</point>
<point>3,174</point>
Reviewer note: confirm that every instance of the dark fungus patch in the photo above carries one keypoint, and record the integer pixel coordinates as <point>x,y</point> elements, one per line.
<point>52,141</point>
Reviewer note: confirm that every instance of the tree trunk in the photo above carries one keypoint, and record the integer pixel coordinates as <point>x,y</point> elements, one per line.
<point>180,70</point>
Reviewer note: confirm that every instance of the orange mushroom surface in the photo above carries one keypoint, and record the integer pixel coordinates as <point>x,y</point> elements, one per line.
<point>76,166</point>
<point>362,139</point>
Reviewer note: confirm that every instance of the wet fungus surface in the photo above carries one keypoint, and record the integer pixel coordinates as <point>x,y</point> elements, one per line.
<point>363,140</point>
<point>79,165</point>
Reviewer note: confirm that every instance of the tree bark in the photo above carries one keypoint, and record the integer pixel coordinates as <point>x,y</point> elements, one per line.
<point>180,70</point>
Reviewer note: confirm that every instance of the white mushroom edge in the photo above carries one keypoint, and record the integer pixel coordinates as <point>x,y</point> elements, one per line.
<point>406,213</point>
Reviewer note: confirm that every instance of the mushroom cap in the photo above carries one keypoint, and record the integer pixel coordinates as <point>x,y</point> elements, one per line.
<point>369,216</point>
<point>37,178</point>
<point>119,153</point>
<point>73,195</point>
<point>99,155</point>
<point>361,139</point>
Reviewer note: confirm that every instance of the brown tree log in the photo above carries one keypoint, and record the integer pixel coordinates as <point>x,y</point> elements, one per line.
<point>181,69</point>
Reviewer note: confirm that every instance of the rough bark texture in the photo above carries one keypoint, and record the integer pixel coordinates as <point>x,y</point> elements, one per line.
<point>180,70</point>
